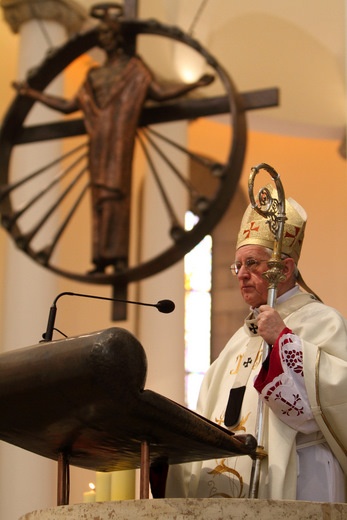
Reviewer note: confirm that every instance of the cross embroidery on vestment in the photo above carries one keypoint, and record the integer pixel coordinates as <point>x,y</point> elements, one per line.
<point>253,328</point>
<point>247,362</point>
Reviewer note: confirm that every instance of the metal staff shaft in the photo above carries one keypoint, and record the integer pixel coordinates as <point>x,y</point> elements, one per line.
<point>274,211</point>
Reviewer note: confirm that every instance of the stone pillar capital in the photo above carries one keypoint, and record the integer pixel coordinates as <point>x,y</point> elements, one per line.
<point>68,13</point>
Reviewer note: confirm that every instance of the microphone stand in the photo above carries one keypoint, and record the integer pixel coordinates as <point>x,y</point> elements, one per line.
<point>274,211</point>
<point>164,306</point>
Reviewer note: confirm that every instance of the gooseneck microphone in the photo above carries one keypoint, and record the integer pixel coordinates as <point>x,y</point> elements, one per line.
<point>165,306</point>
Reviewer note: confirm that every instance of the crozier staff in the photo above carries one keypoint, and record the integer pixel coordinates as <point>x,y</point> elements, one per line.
<point>303,381</point>
<point>274,211</point>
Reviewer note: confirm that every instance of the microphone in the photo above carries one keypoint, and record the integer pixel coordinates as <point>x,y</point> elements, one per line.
<point>165,306</point>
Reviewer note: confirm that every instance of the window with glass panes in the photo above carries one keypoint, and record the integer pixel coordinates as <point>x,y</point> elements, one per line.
<point>198,273</point>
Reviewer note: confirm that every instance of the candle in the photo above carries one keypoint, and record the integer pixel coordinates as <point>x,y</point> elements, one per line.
<point>103,486</point>
<point>89,496</point>
<point>123,485</point>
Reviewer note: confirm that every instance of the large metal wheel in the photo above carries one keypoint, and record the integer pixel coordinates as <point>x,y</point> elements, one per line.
<point>73,172</point>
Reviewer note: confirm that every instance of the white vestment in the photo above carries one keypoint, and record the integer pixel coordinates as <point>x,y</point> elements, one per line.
<point>306,414</point>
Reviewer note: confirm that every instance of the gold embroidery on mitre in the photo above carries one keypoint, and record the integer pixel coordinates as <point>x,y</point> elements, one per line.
<point>255,229</point>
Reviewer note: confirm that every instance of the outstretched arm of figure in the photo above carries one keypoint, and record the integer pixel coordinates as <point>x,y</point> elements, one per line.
<point>163,92</point>
<point>65,106</point>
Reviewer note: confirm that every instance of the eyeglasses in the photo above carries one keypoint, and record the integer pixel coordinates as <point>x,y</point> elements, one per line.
<point>251,265</point>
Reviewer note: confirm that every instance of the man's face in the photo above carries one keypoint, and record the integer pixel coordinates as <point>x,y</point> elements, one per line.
<point>253,286</point>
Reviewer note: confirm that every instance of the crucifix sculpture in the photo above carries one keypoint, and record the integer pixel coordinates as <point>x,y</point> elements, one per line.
<point>114,101</point>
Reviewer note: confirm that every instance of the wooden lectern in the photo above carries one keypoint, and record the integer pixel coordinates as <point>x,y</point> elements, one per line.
<point>81,401</point>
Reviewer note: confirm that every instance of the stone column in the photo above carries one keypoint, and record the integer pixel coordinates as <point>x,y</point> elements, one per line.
<point>28,481</point>
<point>68,15</point>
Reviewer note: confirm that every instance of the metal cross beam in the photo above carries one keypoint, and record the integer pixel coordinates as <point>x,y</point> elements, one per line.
<point>174,111</point>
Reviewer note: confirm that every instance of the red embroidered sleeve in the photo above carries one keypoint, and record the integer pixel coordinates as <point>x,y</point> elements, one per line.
<point>272,367</point>
<point>281,383</point>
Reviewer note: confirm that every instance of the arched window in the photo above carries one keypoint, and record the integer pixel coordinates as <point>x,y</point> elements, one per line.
<point>197,269</point>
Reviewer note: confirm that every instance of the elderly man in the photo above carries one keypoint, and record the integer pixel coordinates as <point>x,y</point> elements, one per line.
<point>302,382</point>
